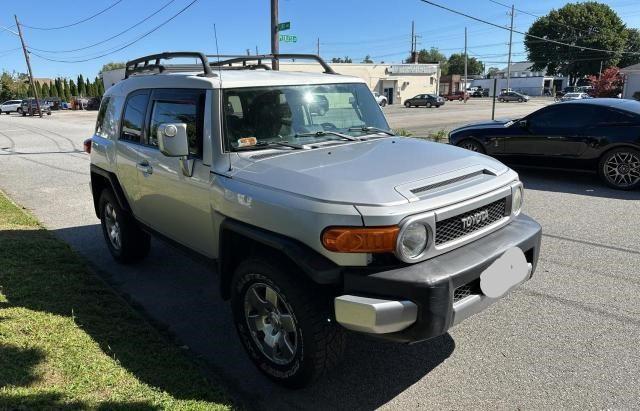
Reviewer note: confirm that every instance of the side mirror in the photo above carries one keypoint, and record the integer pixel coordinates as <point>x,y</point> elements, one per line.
<point>172,139</point>
<point>523,124</point>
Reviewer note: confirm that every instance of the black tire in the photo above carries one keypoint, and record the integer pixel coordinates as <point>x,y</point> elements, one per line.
<point>383,103</point>
<point>407,104</point>
<point>620,168</point>
<point>428,104</point>
<point>19,111</point>
<point>501,100</point>
<point>133,244</point>
<point>48,113</point>
<point>520,100</point>
<point>316,342</point>
<point>472,145</point>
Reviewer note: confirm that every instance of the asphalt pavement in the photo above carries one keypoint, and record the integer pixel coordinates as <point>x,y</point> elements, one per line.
<point>566,339</point>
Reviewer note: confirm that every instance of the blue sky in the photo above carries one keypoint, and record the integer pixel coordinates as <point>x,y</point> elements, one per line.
<point>378,28</point>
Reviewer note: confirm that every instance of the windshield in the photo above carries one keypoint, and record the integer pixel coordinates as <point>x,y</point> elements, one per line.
<point>257,116</point>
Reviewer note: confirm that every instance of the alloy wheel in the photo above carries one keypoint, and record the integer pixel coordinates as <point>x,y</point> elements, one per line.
<point>622,169</point>
<point>471,146</point>
<point>112,225</point>
<point>271,323</point>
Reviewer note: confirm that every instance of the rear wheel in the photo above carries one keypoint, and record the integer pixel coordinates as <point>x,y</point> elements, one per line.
<point>407,104</point>
<point>620,168</point>
<point>285,325</point>
<point>126,241</point>
<point>471,145</point>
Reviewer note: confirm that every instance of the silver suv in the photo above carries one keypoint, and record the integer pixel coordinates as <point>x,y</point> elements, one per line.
<point>317,220</point>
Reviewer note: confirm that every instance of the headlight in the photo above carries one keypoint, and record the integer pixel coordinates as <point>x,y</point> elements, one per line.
<point>413,240</point>
<point>517,200</point>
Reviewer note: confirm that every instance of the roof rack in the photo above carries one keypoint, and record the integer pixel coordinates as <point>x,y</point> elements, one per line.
<point>229,60</point>
<point>141,65</point>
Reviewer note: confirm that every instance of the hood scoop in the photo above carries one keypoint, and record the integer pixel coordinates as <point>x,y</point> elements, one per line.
<point>423,188</point>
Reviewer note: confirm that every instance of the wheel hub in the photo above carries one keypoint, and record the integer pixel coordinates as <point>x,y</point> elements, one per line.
<point>271,323</point>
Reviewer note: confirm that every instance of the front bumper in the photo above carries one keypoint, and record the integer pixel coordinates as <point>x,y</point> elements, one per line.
<point>416,302</point>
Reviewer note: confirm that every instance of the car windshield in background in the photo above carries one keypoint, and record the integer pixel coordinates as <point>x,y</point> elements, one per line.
<point>254,117</point>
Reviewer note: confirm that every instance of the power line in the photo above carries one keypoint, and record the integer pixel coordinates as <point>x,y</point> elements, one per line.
<point>126,45</point>
<point>109,38</point>
<point>77,22</point>
<point>582,48</point>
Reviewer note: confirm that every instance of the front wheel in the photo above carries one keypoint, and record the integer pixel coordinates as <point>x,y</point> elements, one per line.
<point>383,103</point>
<point>620,168</point>
<point>285,326</point>
<point>520,100</point>
<point>471,145</point>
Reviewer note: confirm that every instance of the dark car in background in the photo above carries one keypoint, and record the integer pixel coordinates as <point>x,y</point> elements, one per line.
<point>512,96</point>
<point>427,100</point>
<point>600,135</point>
<point>456,95</point>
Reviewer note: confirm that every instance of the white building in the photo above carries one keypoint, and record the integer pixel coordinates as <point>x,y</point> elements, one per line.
<point>524,80</point>
<point>631,80</point>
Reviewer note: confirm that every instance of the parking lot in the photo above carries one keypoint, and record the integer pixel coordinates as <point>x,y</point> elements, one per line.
<point>566,339</point>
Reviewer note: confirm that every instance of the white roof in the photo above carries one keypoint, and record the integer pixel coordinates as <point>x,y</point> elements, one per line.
<point>229,79</point>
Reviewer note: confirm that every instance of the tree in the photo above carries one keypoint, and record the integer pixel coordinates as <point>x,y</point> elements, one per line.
<point>53,90</point>
<point>367,59</point>
<point>632,46</point>
<point>6,86</point>
<point>45,91</point>
<point>346,59</point>
<point>492,71</point>
<point>59,87</point>
<point>39,88</point>
<point>432,55</point>
<point>82,90</point>
<point>67,92</point>
<point>99,86</point>
<point>112,66</point>
<point>608,84</point>
<point>456,65</point>
<point>589,24</point>
<point>73,89</point>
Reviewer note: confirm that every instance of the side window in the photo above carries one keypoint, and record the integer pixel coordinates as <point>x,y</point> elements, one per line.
<point>563,116</point>
<point>179,106</point>
<point>101,124</point>
<point>610,117</point>
<point>134,116</point>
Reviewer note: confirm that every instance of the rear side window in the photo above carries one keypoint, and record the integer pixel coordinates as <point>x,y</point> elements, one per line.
<point>610,117</point>
<point>134,115</point>
<point>101,124</point>
<point>179,106</point>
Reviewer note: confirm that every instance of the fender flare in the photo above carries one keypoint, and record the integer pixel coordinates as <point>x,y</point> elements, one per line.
<point>113,183</point>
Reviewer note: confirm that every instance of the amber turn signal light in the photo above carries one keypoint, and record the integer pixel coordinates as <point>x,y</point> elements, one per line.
<point>360,240</point>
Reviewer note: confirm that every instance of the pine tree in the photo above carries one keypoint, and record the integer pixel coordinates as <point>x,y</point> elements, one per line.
<point>99,87</point>
<point>82,90</point>
<point>45,91</point>
<point>59,87</point>
<point>53,91</point>
<point>73,89</point>
<point>67,93</point>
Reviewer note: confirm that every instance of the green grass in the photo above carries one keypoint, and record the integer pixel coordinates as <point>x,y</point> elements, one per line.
<point>68,342</point>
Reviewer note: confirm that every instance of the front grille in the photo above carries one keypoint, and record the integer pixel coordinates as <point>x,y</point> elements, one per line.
<point>466,290</point>
<point>453,228</point>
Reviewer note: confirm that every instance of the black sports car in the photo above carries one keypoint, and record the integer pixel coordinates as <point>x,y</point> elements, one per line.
<point>602,135</point>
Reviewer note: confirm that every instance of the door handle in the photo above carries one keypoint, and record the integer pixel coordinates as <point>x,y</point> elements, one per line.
<point>555,138</point>
<point>144,167</point>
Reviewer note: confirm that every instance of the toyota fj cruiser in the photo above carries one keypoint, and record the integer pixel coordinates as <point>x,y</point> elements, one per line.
<point>317,220</point>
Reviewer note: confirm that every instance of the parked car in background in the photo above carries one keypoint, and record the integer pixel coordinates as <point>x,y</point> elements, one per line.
<point>382,100</point>
<point>456,95</point>
<point>10,106</point>
<point>29,107</point>
<point>427,100</point>
<point>480,92</point>
<point>600,135</point>
<point>512,96</point>
<point>574,96</point>
<point>94,103</point>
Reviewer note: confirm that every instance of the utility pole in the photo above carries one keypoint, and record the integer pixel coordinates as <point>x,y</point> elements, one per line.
<point>26,57</point>
<point>318,46</point>
<point>256,50</point>
<point>600,72</point>
<point>275,46</point>
<point>510,42</point>
<point>465,66</point>
<point>413,42</point>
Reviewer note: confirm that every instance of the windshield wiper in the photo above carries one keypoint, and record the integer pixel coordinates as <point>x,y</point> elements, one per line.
<point>326,133</point>
<point>264,144</point>
<point>366,129</point>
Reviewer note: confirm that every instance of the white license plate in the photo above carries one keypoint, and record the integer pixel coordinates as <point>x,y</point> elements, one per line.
<point>505,273</point>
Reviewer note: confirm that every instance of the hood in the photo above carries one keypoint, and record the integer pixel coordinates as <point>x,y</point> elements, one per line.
<point>482,125</point>
<point>362,173</point>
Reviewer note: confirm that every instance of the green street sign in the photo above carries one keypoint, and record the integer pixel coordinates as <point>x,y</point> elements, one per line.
<point>288,39</point>
<point>284,26</point>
